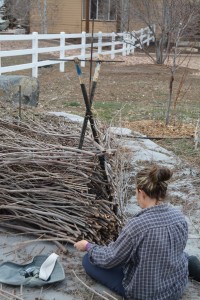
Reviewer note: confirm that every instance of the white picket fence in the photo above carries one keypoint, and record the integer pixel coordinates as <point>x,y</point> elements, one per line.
<point>104,44</point>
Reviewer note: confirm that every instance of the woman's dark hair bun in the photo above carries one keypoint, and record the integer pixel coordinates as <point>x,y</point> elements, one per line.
<point>160,174</point>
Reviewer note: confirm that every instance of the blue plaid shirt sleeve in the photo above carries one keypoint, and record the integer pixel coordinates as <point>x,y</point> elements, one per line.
<point>115,253</point>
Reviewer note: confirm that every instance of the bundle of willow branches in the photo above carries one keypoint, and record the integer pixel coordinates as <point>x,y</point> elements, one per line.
<point>50,188</point>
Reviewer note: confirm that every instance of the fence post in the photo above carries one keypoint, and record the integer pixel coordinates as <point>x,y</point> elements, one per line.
<point>129,44</point>
<point>99,42</point>
<point>124,44</point>
<point>113,46</point>
<point>62,51</point>
<point>148,36</point>
<point>83,46</point>
<point>133,40</point>
<point>35,54</point>
<point>141,37</point>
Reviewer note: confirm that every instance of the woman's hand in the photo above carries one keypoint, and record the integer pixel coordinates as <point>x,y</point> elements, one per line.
<point>81,245</point>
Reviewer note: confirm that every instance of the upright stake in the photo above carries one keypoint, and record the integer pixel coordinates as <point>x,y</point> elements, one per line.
<point>88,114</point>
<point>20,102</point>
<point>91,55</point>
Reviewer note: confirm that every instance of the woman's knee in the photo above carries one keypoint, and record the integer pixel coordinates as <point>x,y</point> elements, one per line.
<point>111,278</point>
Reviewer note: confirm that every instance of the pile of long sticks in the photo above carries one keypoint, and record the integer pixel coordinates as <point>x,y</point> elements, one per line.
<point>50,188</point>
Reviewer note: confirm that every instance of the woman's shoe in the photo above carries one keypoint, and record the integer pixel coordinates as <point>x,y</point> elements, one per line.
<point>194,267</point>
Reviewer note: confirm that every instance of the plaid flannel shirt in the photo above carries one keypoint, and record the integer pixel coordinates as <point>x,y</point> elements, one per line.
<point>150,249</point>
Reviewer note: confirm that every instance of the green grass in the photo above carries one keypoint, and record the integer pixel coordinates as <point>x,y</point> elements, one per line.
<point>129,111</point>
<point>72,104</point>
<point>184,148</point>
<point>189,111</point>
<point>110,105</point>
<point>109,109</point>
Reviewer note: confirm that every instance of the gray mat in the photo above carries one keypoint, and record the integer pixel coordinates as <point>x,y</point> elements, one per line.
<point>27,275</point>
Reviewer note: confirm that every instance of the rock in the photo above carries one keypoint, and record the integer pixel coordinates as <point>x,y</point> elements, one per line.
<point>9,89</point>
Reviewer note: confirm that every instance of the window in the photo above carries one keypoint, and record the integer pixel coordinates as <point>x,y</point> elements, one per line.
<point>101,10</point>
<point>94,9</point>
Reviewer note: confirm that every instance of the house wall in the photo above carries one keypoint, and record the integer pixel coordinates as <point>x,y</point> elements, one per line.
<point>65,16</point>
<point>109,26</point>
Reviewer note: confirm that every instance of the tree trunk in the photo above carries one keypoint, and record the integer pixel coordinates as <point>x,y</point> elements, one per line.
<point>45,18</point>
<point>170,99</point>
<point>162,48</point>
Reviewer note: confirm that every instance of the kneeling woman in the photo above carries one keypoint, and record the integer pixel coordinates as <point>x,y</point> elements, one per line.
<point>147,261</point>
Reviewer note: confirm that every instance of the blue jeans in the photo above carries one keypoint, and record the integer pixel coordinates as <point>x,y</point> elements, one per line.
<point>111,278</point>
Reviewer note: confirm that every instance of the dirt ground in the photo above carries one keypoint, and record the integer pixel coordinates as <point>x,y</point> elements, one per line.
<point>182,193</point>
<point>131,94</point>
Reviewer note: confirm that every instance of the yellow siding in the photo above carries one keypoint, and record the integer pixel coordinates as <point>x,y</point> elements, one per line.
<point>101,26</point>
<point>136,25</point>
<point>63,15</point>
<point>66,16</point>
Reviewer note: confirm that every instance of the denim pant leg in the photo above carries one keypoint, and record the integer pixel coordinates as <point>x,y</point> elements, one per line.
<point>111,278</point>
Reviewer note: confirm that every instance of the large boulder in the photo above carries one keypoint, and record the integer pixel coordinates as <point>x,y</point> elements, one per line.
<point>9,89</point>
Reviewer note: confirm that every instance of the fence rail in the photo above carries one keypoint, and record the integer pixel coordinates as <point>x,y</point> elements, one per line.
<point>104,44</point>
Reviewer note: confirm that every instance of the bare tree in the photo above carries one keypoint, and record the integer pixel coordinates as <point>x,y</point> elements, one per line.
<point>176,62</point>
<point>170,22</point>
<point>167,20</point>
<point>17,11</point>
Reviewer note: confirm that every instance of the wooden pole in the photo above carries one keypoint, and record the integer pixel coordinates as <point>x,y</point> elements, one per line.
<point>87,16</point>
<point>91,55</point>
<point>88,102</point>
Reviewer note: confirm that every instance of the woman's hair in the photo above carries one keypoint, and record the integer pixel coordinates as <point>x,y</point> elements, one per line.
<point>152,181</point>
